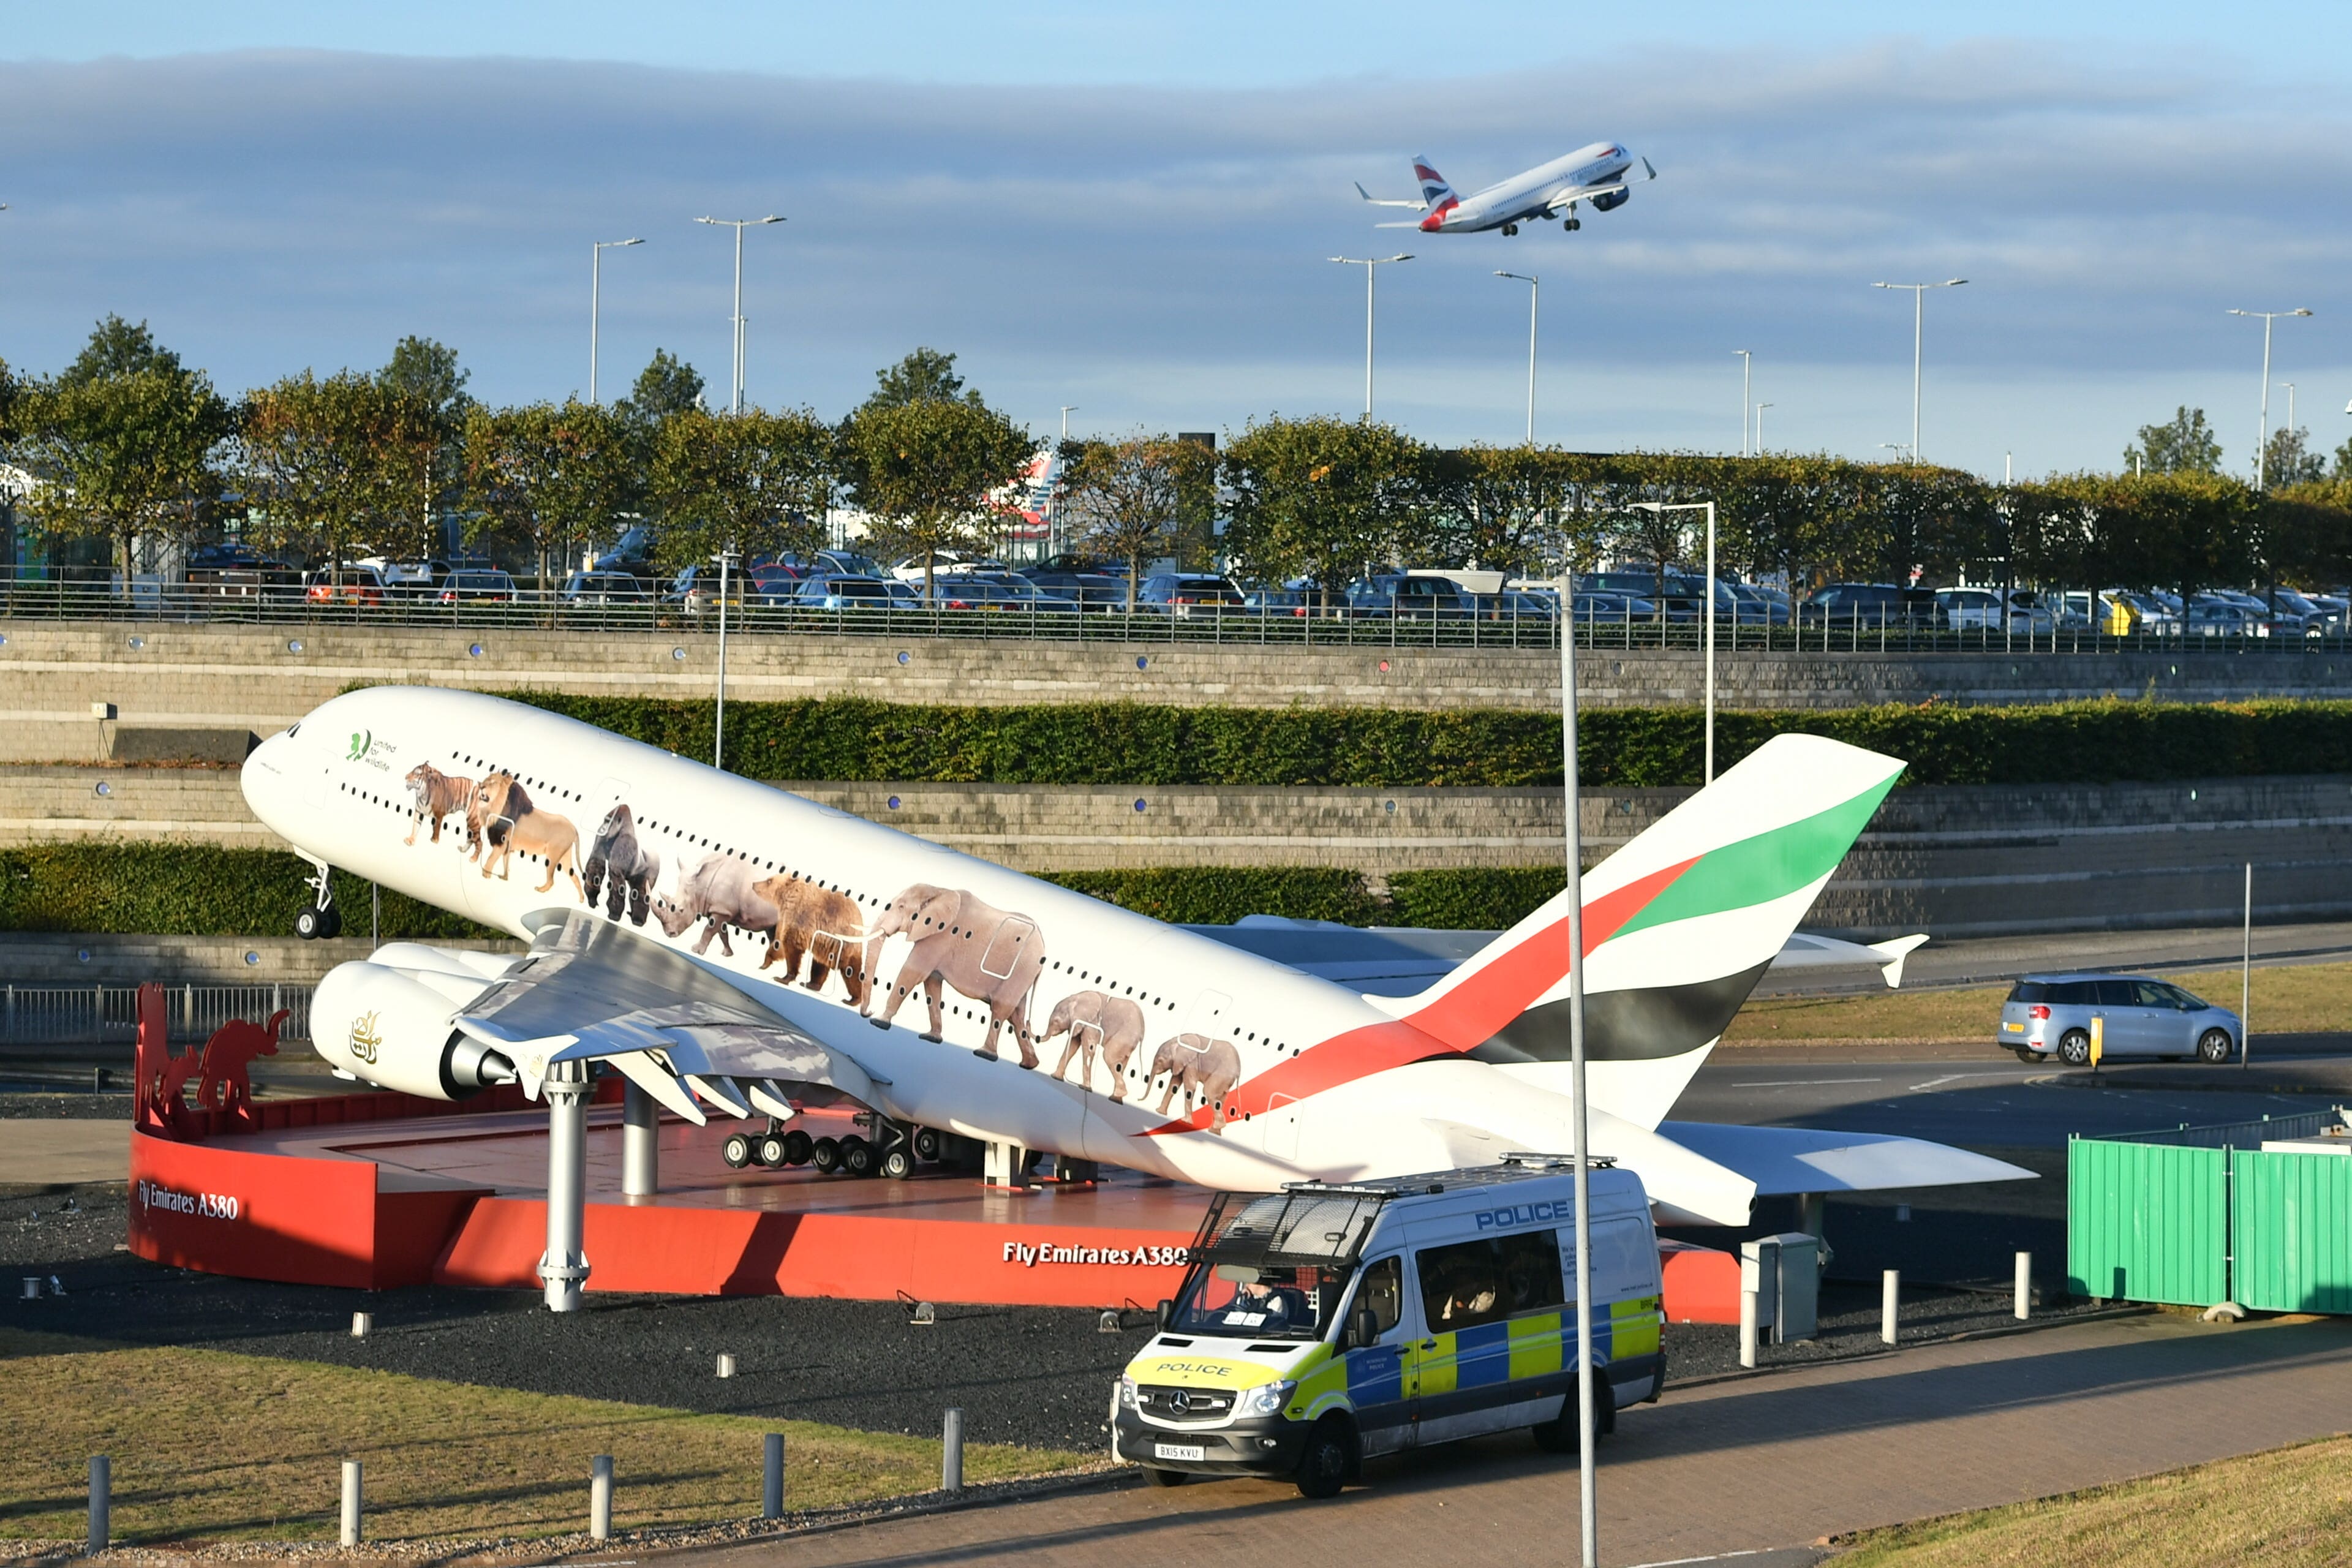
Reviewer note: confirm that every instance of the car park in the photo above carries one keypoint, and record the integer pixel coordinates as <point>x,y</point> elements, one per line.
<point>1324,1324</point>
<point>604,590</point>
<point>845,591</point>
<point>2048,1015</point>
<point>1190,593</point>
<point>1874,606</point>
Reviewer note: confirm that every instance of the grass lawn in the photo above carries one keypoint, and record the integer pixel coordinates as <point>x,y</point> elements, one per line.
<point>2292,999</point>
<point>2285,1509</point>
<point>212,1445</point>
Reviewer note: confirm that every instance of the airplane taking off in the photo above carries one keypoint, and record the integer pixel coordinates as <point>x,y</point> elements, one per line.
<point>1597,173</point>
<point>935,981</point>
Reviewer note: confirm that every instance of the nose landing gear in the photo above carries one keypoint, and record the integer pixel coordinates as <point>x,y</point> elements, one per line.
<point>319,919</point>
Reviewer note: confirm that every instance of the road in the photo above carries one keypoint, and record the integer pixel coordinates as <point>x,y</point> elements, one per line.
<point>1986,960</point>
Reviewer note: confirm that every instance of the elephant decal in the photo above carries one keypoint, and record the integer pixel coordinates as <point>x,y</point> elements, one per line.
<point>1096,1020</point>
<point>1197,1065</point>
<point>991,956</point>
<point>822,924</point>
<point>616,854</point>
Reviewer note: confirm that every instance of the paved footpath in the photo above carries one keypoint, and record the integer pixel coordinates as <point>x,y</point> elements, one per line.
<point>1760,1464</point>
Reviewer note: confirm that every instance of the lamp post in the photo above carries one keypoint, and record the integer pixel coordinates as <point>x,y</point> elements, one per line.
<point>718,714</point>
<point>1535,288</point>
<point>735,395</point>
<point>1747,366</point>
<point>1706,635</point>
<point>1372,265</point>
<point>1759,427</point>
<point>2262,439</point>
<point>595,289</point>
<point>1586,1479</point>
<point>1918,323</point>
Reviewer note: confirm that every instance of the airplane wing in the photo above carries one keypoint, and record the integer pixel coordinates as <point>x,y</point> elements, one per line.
<point>592,990</point>
<point>1785,1159</point>
<point>1575,194</point>
<point>1382,202</point>
<point>1396,225</point>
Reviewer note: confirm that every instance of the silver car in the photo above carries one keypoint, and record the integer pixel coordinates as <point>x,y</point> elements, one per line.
<point>2050,1015</point>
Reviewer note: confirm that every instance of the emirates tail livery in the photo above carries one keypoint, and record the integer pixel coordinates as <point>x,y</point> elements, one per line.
<point>1599,173</point>
<point>729,947</point>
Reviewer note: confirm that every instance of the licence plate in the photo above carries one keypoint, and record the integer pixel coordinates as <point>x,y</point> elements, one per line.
<point>1192,1451</point>
<point>2014,1029</point>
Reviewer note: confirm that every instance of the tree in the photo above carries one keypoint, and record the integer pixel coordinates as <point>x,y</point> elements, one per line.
<point>327,468</point>
<point>1321,497</point>
<point>1127,498</point>
<point>755,483</point>
<point>125,443</point>
<point>2186,446</point>
<point>924,469</point>
<point>1496,507</point>
<point>543,476</point>
<point>925,375</point>
<point>117,348</point>
<point>2288,459</point>
<point>429,386</point>
<point>666,385</point>
<point>427,374</point>
<point>2182,531</point>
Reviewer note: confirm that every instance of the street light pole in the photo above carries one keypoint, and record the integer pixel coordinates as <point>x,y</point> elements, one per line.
<point>1759,427</point>
<point>1708,633</point>
<point>595,289</point>
<point>1372,265</point>
<point>1587,1478</point>
<point>1918,334</point>
<point>1534,288</point>
<point>1747,368</point>
<point>2263,439</point>
<point>735,393</point>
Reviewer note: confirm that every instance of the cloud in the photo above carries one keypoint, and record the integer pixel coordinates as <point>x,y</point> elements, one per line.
<point>1156,256</point>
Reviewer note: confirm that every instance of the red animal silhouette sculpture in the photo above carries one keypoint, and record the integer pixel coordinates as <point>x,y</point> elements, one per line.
<point>225,1086</point>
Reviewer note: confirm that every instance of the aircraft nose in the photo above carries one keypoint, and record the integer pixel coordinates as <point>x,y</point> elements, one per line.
<point>262,780</point>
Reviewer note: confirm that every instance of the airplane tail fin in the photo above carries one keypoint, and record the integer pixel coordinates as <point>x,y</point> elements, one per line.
<point>1678,926</point>
<point>1435,191</point>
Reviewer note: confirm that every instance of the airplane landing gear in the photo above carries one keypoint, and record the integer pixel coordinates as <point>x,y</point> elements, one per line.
<point>1569,225</point>
<point>318,919</point>
<point>1510,229</point>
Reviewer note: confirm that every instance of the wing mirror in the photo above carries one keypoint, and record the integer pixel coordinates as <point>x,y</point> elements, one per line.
<point>1363,1327</point>
<point>1165,1313</point>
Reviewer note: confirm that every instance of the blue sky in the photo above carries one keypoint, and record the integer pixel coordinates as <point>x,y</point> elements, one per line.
<point>1126,209</point>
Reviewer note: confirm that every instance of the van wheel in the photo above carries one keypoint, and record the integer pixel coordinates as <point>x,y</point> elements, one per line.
<point>1166,1478</point>
<point>2074,1048</point>
<point>1323,1467</point>
<point>2214,1046</point>
<point>1557,1435</point>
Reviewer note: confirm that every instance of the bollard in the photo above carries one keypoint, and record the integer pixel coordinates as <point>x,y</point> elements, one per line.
<point>351,1503</point>
<point>2024,1286</point>
<point>362,1324</point>
<point>101,1501</point>
<point>600,1498</point>
<point>952,1453</point>
<point>771,1476</point>
<point>726,1364</point>
<point>32,1287</point>
<point>1890,1292</point>
<point>1748,1328</point>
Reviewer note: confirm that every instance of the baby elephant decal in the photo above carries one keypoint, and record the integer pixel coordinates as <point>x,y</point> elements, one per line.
<point>438,795</point>
<point>720,890</point>
<point>990,955</point>
<point>510,822</point>
<point>1096,1020</point>
<point>822,924</point>
<point>633,867</point>
<point>1198,1065</point>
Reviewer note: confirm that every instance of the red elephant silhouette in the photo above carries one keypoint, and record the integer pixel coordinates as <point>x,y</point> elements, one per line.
<point>224,1084</point>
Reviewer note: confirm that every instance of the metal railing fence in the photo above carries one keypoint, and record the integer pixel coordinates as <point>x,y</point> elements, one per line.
<point>109,1015</point>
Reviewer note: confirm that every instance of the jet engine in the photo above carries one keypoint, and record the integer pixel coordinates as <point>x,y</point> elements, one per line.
<point>1610,201</point>
<point>393,1027</point>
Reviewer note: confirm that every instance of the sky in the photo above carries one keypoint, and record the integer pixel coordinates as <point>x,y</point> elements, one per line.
<point>1129,209</point>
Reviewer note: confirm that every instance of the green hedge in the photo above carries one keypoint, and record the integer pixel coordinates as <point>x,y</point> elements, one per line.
<point>196,891</point>
<point>189,890</point>
<point>847,739</point>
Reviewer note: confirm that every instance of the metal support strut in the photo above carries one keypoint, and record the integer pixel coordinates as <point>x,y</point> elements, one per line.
<point>564,1265</point>
<point>640,1143</point>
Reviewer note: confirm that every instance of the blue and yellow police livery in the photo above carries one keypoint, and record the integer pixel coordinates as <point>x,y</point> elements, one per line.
<point>1324,1323</point>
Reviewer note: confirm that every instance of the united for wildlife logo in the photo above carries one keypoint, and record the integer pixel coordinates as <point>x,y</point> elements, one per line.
<point>367,1039</point>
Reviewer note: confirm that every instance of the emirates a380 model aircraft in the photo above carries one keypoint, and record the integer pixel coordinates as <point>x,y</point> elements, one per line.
<point>726,945</point>
<point>1599,173</point>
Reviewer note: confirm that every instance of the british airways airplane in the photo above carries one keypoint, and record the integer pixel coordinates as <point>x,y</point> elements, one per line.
<point>1598,173</point>
<point>730,947</point>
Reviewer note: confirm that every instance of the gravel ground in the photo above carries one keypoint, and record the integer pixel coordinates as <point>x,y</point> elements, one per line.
<point>81,1107</point>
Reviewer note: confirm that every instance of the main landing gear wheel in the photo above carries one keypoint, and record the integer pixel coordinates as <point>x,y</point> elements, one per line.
<point>770,1150</point>
<point>2214,1046</point>
<point>797,1147</point>
<point>898,1164</point>
<point>736,1151</point>
<point>927,1143</point>
<point>2074,1048</point>
<point>1574,223</point>
<point>826,1155</point>
<point>1510,229</point>
<point>858,1157</point>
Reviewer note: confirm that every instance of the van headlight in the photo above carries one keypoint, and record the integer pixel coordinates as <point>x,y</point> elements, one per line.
<point>1266,1399</point>
<point>1125,1393</point>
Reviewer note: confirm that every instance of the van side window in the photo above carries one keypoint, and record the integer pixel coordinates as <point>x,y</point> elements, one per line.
<point>1483,1281</point>
<point>1383,1292</point>
<point>1624,1260</point>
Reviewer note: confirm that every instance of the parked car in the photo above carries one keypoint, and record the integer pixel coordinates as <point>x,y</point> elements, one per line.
<point>774,583</point>
<point>1001,591</point>
<point>2050,1015</point>
<point>491,587</point>
<point>1871,605</point>
<point>235,570</point>
<point>1762,606</point>
<point>1186,594</point>
<point>2211,619</point>
<point>357,585</point>
<point>1681,601</point>
<point>1030,594</point>
<point>1602,608</point>
<point>604,590</point>
<point>848,591</point>
<point>1275,603</point>
<point>943,561</point>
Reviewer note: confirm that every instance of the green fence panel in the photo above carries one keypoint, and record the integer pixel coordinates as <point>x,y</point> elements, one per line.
<point>2146,1222</point>
<point>2287,1218</point>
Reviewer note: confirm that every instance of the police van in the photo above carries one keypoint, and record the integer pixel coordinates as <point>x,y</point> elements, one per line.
<point>1327,1322</point>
